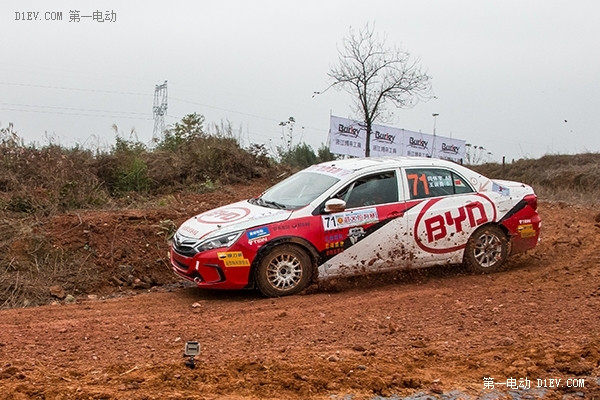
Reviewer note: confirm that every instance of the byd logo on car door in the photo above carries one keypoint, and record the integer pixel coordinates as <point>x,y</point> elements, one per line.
<point>445,224</point>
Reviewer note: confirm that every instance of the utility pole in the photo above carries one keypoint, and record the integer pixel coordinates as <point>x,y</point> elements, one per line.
<point>159,111</point>
<point>434,115</point>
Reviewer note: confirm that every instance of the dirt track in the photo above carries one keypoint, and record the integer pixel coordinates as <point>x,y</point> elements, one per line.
<point>427,332</point>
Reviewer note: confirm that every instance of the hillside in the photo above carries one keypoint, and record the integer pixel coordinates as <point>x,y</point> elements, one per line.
<point>572,178</point>
<point>121,246</point>
<point>111,319</point>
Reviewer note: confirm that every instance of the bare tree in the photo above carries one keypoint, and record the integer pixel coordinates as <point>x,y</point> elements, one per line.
<point>476,154</point>
<point>376,74</point>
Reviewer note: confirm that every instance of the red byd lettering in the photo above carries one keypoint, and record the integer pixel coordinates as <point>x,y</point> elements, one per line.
<point>456,221</point>
<point>483,218</point>
<point>450,219</point>
<point>436,226</point>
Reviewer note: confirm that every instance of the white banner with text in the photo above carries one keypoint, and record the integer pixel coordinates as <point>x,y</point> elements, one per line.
<point>348,137</point>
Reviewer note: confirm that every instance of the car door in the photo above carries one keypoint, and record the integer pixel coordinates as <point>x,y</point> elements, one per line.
<point>367,234</point>
<point>444,212</point>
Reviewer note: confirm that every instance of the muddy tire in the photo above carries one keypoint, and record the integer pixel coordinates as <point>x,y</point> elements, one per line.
<point>284,270</point>
<point>486,250</point>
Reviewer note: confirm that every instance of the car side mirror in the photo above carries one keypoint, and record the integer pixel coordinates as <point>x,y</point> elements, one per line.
<point>335,205</point>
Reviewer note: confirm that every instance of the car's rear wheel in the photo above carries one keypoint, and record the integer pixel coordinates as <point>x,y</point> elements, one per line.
<point>486,250</point>
<point>284,270</point>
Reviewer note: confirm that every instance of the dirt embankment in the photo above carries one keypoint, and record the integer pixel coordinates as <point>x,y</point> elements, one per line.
<point>98,253</point>
<point>432,332</point>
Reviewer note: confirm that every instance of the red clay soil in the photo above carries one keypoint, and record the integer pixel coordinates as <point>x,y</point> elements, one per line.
<point>430,331</point>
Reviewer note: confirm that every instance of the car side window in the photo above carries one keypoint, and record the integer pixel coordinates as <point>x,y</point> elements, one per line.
<point>379,188</point>
<point>434,182</point>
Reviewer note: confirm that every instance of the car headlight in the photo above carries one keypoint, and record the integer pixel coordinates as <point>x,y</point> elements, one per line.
<point>220,241</point>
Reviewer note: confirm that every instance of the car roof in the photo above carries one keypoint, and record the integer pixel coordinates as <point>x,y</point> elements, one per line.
<point>374,164</point>
<point>356,164</point>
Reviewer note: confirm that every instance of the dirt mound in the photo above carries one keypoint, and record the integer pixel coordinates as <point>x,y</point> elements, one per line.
<point>99,253</point>
<point>433,334</point>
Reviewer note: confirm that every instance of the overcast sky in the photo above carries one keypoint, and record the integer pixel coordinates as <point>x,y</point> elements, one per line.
<point>520,78</point>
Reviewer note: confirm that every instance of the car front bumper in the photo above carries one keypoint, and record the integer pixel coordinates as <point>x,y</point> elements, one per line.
<point>209,269</point>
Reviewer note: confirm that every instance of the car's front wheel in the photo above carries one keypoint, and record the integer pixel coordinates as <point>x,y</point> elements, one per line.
<point>486,250</point>
<point>284,270</point>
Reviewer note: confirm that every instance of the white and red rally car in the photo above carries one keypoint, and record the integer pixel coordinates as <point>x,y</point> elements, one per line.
<point>355,216</point>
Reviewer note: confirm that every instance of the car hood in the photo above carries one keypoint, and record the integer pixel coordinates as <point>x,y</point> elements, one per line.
<point>230,218</point>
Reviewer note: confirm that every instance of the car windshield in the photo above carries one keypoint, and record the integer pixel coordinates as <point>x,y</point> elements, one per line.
<point>296,191</point>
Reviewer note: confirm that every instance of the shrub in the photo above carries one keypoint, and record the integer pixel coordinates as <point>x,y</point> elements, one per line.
<point>202,159</point>
<point>299,156</point>
<point>190,128</point>
<point>124,169</point>
<point>49,179</point>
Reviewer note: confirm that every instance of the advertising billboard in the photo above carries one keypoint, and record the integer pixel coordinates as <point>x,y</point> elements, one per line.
<point>348,137</point>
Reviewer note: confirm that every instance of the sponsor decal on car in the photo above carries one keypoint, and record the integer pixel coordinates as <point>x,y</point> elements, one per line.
<point>223,215</point>
<point>431,228</point>
<point>334,245</point>
<point>355,234</point>
<point>258,235</point>
<point>294,225</point>
<point>503,190</point>
<point>329,170</point>
<point>526,230</point>
<point>189,229</point>
<point>349,219</point>
<point>233,259</point>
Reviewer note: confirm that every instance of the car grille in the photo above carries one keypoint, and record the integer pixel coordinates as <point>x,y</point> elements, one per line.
<point>184,245</point>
